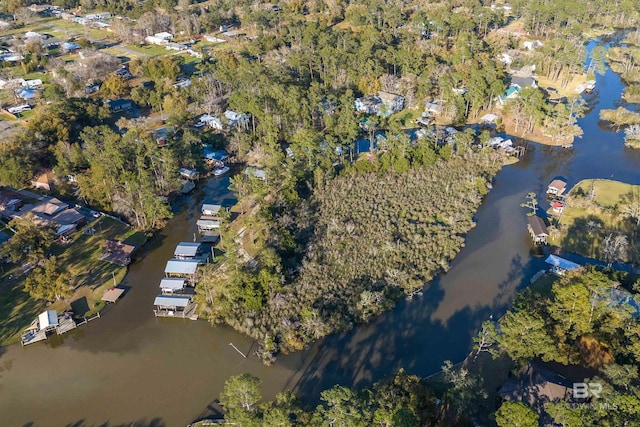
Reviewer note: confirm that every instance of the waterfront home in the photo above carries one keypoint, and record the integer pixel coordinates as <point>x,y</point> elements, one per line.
<point>557,206</point>
<point>187,250</point>
<point>557,187</point>
<point>181,268</point>
<point>433,109</point>
<point>170,286</point>
<point>537,387</point>
<point>210,210</point>
<point>559,266</point>
<point>538,230</point>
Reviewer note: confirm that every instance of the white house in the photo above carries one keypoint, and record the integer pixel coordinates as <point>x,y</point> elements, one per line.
<point>212,121</point>
<point>532,44</point>
<point>236,119</point>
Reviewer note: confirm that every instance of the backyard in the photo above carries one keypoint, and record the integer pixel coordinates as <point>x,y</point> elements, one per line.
<point>92,277</point>
<point>596,209</point>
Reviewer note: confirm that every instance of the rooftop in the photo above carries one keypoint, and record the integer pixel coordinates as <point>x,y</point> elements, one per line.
<point>562,263</point>
<point>172,301</point>
<point>538,226</point>
<point>180,266</point>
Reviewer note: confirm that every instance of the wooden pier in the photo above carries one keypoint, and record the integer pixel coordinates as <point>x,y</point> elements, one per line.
<point>66,323</point>
<point>37,332</point>
<point>188,313</point>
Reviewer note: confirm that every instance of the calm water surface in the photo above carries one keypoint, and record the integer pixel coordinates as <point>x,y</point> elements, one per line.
<point>131,367</point>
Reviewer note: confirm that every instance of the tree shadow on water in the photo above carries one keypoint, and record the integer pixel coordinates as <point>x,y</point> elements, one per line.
<point>154,422</point>
<point>406,337</point>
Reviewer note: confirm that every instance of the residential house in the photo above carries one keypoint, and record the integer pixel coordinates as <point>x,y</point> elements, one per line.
<point>557,187</point>
<point>511,92</point>
<point>70,47</point>
<point>557,206</point>
<point>537,229</point>
<point>536,387</point>
<point>212,121</point>
<point>236,119</point>
<point>123,73</point>
<point>32,84</point>
<point>368,104</point>
<point>26,94</point>
<point>392,103</point>
<point>159,38</point>
<point>433,108</point>
<point>382,104</point>
<point>117,105</point>
<point>523,82</point>
<point>559,266</point>
<point>10,200</point>
<point>44,181</point>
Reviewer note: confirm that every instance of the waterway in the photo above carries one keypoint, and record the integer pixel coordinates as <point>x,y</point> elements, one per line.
<point>130,367</point>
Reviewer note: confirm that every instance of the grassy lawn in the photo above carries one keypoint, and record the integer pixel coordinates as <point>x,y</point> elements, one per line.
<point>38,75</point>
<point>152,50</point>
<point>406,118</point>
<point>584,224</point>
<point>91,275</point>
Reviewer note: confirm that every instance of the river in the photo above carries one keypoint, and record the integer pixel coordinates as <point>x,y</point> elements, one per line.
<point>130,367</point>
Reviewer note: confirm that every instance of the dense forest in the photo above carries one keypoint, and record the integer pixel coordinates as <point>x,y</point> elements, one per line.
<point>587,319</point>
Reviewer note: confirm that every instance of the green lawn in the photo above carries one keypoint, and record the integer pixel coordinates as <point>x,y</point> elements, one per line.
<point>584,224</point>
<point>608,192</point>
<point>152,50</point>
<point>80,258</point>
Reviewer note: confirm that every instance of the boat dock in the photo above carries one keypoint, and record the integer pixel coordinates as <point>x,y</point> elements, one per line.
<point>66,323</point>
<point>45,324</point>
<point>189,312</point>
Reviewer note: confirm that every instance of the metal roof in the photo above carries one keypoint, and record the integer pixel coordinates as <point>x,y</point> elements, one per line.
<point>562,263</point>
<point>172,301</point>
<point>189,249</point>
<point>180,266</point>
<point>172,284</point>
<point>208,209</point>
<point>47,319</point>
<point>538,226</point>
